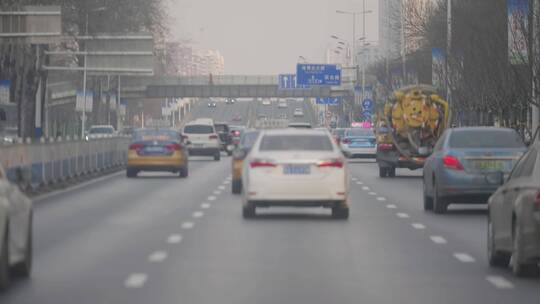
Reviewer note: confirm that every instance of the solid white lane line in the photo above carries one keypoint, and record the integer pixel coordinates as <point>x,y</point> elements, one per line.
<point>187,225</point>
<point>381,199</point>
<point>221,187</point>
<point>217,192</point>
<point>438,239</point>
<point>402,215</point>
<point>464,258</point>
<point>135,280</point>
<point>197,214</point>
<point>205,205</point>
<point>418,226</point>
<point>365,188</point>
<point>500,282</point>
<point>212,198</point>
<point>157,256</point>
<point>372,193</point>
<point>174,239</point>
<point>391,206</point>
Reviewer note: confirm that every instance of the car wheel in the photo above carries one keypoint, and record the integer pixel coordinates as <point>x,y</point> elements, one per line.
<point>383,172</point>
<point>248,211</point>
<point>236,186</point>
<point>184,172</point>
<point>428,201</point>
<point>4,261</point>
<point>495,257</point>
<point>217,156</point>
<point>391,172</point>
<point>341,211</point>
<point>439,203</point>
<point>519,267</point>
<point>23,269</point>
<point>131,173</point>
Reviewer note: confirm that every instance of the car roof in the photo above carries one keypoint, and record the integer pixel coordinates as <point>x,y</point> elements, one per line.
<point>293,131</point>
<point>201,121</point>
<point>465,129</point>
<point>101,126</point>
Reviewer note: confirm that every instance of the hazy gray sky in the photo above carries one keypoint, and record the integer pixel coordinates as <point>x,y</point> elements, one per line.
<point>267,36</point>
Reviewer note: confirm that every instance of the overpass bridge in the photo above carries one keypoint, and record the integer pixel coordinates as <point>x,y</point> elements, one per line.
<point>234,86</point>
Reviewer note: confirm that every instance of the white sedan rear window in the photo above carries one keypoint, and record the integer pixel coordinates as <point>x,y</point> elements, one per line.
<point>296,142</point>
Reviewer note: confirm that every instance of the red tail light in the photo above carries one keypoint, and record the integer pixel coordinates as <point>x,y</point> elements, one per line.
<point>136,147</point>
<point>173,147</point>
<point>213,137</point>
<point>262,163</point>
<point>452,162</point>
<point>346,141</point>
<point>385,147</point>
<point>333,163</point>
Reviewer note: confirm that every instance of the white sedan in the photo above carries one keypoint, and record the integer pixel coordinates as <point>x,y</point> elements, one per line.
<point>298,112</point>
<point>295,168</point>
<point>15,232</point>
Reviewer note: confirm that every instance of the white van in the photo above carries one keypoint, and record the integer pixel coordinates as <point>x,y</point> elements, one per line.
<point>201,138</point>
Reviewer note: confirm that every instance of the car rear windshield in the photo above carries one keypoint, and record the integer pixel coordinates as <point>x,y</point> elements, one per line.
<point>156,135</point>
<point>104,130</point>
<point>198,129</point>
<point>485,139</point>
<point>359,132</point>
<point>296,142</point>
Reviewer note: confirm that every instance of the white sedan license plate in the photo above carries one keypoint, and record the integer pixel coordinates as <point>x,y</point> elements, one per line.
<point>296,170</point>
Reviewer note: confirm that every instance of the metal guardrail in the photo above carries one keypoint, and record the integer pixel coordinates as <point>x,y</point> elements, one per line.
<point>52,162</point>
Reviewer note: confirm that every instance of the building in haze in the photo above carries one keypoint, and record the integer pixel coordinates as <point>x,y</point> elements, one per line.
<point>207,62</point>
<point>369,55</point>
<point>390,28</point>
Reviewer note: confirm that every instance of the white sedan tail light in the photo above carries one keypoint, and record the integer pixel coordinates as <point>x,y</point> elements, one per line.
<point>262,163</point>
<point>330,163</point>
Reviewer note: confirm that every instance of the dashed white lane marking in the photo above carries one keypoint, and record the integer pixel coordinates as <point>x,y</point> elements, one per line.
<point>438,239</point>
<point>135,280</point>
<point>226,182</point>
<point>157,256</point>
<point>464,258</point>
<point>500,282</point>
<point>359,183</point>
<point>197,214</point>
<point>174,239</point>
<point>205,205</point>
<point>391,206</point>
<point>217,192</point>
<point>221,187</point>
<point>365,188</point>
<point>354,179</point>
<point>372,193</point>
<point>402,215</point>
<point>187,225</point>
<point>381,199</point>
<point>418,226</point>
<point>212,198</point>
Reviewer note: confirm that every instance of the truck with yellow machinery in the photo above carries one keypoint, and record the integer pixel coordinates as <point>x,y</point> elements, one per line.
<point>413,119</point>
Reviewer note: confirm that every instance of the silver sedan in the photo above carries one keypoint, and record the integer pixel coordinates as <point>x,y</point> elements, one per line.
<point>15,232</point>
<point>514,217</point>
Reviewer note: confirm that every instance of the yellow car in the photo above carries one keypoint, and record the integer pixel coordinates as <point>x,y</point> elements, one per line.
<point>155,149</point>
<point>239,154</point>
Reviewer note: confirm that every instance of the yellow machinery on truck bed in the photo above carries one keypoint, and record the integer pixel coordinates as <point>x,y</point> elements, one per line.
<point>413,119</point>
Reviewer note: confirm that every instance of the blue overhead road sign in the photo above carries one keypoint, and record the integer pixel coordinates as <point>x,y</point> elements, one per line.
<point>318,74</point>
<point>333,101</point>
<point>367,104</point>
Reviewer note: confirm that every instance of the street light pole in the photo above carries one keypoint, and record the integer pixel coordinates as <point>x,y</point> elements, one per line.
<point>83,120</point>
<point>535,117</point>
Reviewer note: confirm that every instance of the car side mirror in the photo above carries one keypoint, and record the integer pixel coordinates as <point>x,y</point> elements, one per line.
<point>496,178</point>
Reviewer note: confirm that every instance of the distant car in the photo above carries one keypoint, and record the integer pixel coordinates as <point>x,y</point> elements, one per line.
<point>295,168</point>
<point>456,171</point>
<point>15,231</point>
<point>225,137</point>
<point>298,112</point>
<point>262,117</point>
<point>266,102</point>
<point>282,116</point>
<point>244,147</point>
<point>282,104</point>
<point>8,135</point>
<point>127,131</point>
<point>100,131</point>
<point>230,101</point>
<point>155,149</point>
<point>514,216</point>
<point>237,117</point>
<point>300,125</point>
<point>212,104</point>
<point>202,139</point>
<point>236,134</point>
<point>359,142</point>
<point>337,134</point>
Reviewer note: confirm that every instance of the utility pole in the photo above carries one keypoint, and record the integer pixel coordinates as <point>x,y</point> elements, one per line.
<point>403,43</point>
<point>535,66</point>
<point>363,51</point>
<point>448,51</point>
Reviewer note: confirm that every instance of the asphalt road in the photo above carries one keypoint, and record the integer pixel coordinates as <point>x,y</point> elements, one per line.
<point>274,112</point>
<point>223,112</point>
<point>161,239</point>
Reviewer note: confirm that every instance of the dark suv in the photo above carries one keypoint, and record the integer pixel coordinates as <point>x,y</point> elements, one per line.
<point>225,137</point>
